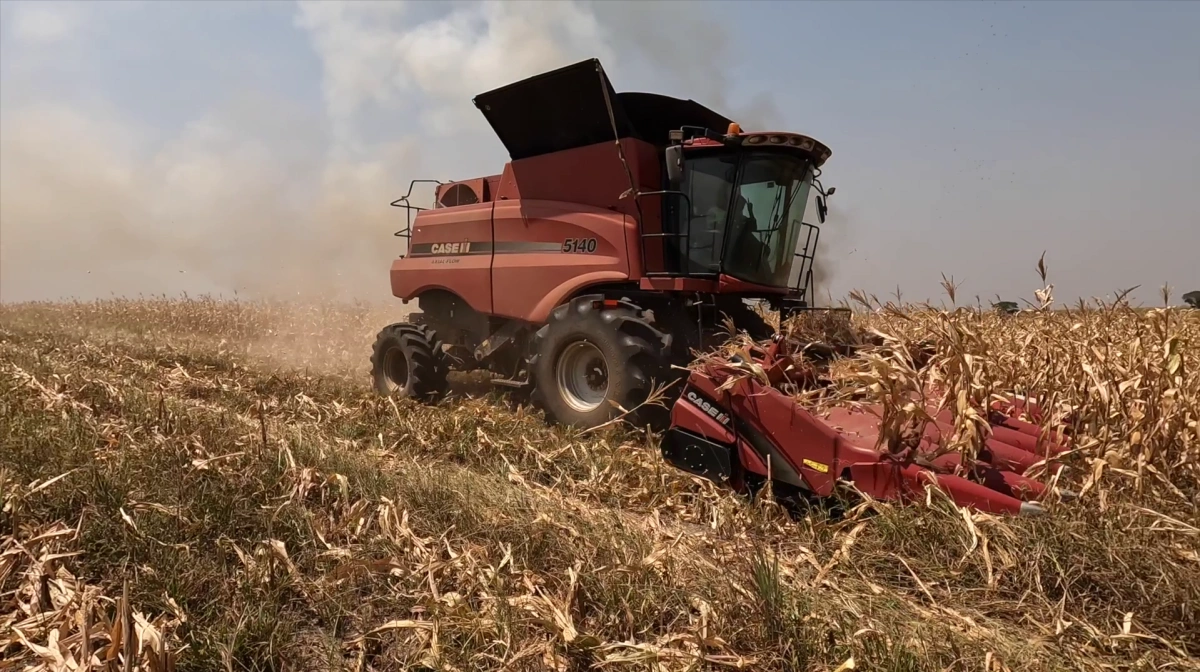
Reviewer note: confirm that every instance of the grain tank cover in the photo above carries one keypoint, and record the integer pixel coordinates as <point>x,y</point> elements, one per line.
<point>654,116</point>
<point>565,108</point>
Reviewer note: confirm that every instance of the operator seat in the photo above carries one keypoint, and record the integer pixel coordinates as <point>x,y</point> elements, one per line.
<point>747,253</point>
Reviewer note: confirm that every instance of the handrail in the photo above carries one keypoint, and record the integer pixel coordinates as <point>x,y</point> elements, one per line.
<point>409,208</point>
<point>804,287</point>
<point>685,234</point>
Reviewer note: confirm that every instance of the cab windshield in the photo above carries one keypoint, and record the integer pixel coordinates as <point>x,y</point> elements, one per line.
<point>746,212</point>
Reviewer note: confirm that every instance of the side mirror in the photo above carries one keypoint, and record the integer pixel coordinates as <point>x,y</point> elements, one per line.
<point>674,156</point>
<point>822,210</point>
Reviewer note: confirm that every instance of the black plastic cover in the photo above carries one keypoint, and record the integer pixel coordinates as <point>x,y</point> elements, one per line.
<point>697,455</point>
<point>565,108</point>
<point>654,116</point>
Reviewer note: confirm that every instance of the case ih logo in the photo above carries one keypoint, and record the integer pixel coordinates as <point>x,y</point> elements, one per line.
<point>708,407</point>
<point>450,248</point>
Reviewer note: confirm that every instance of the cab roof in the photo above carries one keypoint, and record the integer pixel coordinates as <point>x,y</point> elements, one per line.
<point>816,150</point>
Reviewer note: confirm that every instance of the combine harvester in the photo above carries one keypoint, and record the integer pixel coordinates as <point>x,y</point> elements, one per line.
<point>621,234</point>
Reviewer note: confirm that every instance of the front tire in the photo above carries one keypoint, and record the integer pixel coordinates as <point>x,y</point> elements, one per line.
<point>591,355</point>
<point>408,361</point>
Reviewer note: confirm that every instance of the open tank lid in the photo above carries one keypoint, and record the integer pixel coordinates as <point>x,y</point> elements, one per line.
<point>566,108</point>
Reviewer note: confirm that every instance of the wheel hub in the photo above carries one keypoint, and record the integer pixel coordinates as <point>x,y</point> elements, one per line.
<point>395,365</point>
<point>582,376</point>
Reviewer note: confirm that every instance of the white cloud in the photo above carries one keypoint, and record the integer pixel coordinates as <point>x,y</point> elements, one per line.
<point>46,22</point>
<point>437,65</point>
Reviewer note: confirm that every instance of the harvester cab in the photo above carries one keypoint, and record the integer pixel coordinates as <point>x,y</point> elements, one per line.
<point>735,210</point>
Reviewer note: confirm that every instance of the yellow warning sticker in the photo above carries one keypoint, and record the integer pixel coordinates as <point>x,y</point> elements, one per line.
<point>817,466</point>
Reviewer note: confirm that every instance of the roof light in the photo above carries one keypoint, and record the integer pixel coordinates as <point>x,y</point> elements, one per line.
<point>734,129</point>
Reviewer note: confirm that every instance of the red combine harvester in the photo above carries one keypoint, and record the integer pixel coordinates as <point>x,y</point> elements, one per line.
<point>625,228</point>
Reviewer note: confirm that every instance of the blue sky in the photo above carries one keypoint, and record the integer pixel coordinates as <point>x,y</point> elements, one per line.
<point>163,147</point>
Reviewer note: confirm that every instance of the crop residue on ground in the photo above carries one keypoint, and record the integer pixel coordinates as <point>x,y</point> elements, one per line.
<point>209,485</point>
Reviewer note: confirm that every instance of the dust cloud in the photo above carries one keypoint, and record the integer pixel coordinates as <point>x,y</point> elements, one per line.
<point>263,197</point>
<point>213,211</point>
<point>836,235</point>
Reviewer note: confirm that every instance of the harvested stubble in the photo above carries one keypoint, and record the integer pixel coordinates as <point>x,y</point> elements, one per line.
<point>225,464</point>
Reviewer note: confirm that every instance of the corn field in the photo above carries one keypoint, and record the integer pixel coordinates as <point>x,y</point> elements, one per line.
<point>195,484</point>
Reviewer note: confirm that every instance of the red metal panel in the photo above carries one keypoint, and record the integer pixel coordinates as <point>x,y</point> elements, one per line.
<point>467,275</point>
<point>592,175</point>
<point>532,273</point>
<point>691,418</point>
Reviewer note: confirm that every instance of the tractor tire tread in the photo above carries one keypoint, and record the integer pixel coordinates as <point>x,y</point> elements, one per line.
<point>429,364</point>
<point>642,349</point>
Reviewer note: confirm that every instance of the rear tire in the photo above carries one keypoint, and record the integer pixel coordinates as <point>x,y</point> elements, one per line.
<point>587,357</point>
<point>408,361</point>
